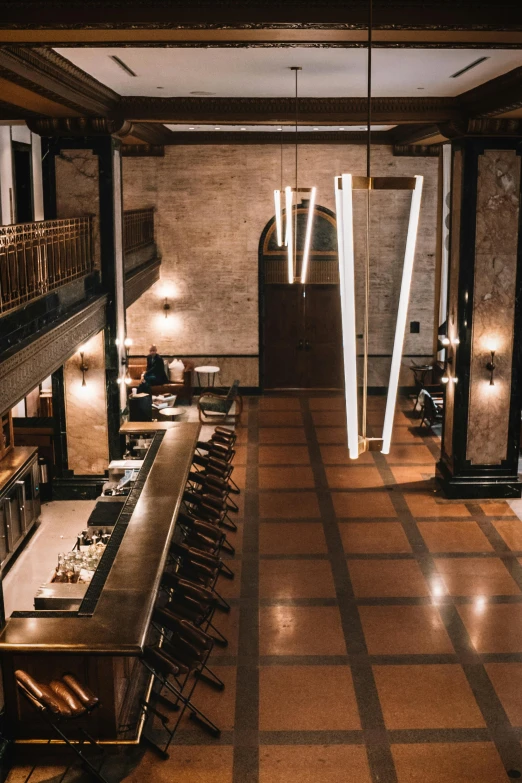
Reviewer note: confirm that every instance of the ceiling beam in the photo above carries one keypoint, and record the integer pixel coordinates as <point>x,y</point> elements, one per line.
<point>327,111</point>
<point>497,96</point>
<point>406,14</point>
<point>152,133</point>
<point>256,137</point>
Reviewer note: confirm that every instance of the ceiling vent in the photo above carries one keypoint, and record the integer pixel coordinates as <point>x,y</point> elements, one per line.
<point>122,65</point>
<point>468,67</point>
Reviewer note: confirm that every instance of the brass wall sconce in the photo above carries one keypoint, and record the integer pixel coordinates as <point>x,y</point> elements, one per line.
<point>490,367</point>
<point>166,307</point>
<point>450,347</point>
<point>83,365</point>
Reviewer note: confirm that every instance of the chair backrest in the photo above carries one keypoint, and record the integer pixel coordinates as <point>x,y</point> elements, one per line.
<point>233,392</point>
<point>430,406</point>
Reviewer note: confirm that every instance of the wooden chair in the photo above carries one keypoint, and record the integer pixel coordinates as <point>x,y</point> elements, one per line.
<point>432,409</point>
<point>210,404</point>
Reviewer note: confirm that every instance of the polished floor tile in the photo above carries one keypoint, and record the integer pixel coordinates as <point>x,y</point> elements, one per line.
<point>494,508</point>
<point>374,538</point>
<point>327,403</point>
<point>284,455</point>
<point>507,681</point>
<point>402,630</point>
<point>431,505</point>
<point>493,628</point>
<point>291,538</point>
<point>476,576</point>
<point>289,505</point>
<point>338,455</point>
<point>335,435</point>
<point>329,418</point>
<point>460,762</point>
<point>300,630</point>
<point>454,537</point>
<point>286,418</point>
<point>348,478</point>
<point>423,477</point>
<point>363,504</point>
<point>511,532</point>
<point>387,578</point>
<point>436,696</point>
<point>289,579</point>
<point>279,404</point>
<point>282,435</point>
<point>313,764</point>
<point>410,455</point>
<point>405,434</point>
<point>307,698</point>
<point>187,764</point>
<point>286,478</point>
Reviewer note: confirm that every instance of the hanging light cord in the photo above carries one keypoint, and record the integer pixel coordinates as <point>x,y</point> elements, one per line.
<point>367,260</point>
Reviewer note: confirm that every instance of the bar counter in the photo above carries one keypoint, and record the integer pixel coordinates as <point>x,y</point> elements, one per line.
<point>97,645</point>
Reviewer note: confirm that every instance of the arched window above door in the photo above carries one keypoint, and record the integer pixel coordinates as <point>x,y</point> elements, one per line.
<point>323,265</point>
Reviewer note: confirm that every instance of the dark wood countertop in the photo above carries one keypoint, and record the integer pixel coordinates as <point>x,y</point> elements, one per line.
<point>120,621</point>
<point>13,462</point>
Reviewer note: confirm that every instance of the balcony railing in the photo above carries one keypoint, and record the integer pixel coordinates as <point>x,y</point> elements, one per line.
<point>36,258</point>
<point>138,228</point>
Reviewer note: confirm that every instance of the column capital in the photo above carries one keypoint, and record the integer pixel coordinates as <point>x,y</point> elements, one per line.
<point>481,126</point>
<point>80,126</point>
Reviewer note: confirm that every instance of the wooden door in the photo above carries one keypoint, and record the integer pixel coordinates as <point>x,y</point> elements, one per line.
<point>284,336</point>
<point>323,338</point>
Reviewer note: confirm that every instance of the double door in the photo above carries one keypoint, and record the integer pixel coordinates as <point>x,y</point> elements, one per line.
<point>302,337</point>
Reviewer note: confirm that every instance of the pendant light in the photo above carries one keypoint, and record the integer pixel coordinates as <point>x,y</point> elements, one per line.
<point>290,234</point>
<point>358,441</point>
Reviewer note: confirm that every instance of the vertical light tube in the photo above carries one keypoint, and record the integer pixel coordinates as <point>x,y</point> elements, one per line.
<point>400,328</point>
<point>308,235</point>
<point>278,217</point>
<point>344,215</point>
<point>289,233</point>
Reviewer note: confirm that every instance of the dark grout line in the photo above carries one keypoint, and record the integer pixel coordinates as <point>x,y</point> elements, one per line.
<point>380,759</point>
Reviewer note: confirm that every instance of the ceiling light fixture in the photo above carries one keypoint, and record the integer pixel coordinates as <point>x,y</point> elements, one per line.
<point>191,128</point>
<point>358,441</point>
<point>292,211</point>
<point>217,128</point>
<point>122,65</point>
<point>468,67</point>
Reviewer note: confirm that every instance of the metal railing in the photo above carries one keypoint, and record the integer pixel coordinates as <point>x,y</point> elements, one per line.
<point>36,258</point>
<point>138,228</point>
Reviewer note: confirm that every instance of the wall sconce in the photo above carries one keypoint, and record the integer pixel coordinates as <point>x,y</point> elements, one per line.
<point>83,366</point>
<point>166,307</point>
<point>490,367</point>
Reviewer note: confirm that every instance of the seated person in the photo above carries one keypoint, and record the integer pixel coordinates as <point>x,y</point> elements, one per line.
<point>155,374</point>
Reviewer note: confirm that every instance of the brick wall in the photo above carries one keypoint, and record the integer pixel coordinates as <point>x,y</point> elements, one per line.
<point>212,203</point>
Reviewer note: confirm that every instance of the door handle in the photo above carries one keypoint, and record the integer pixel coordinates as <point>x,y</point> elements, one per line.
<point>307,346</point>
<point>300,345</point>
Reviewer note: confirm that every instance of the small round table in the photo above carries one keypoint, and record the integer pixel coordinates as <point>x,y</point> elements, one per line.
<point>170,413</point>
<point>211,371</point>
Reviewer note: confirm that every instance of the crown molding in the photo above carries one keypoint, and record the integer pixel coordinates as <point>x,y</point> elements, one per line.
<point>153,133</point>
<point>331,111</point>
<point>482,127</point>
<point>142,151</point>
<point>11,113</point>
<point>190,138</point>
<point>56,78</point>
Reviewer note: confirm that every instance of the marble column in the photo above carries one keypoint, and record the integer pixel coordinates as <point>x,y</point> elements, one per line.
<point>481,429</point>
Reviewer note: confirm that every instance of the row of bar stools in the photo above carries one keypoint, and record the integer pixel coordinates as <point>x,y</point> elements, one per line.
<point>60,702</point>
<point>183,620</point>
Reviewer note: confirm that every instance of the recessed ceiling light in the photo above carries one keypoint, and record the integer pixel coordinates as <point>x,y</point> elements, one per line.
<point>316,128</point>
<point>160,88</point>
<point>201,92</point>
<point>279,129</point>
<point>217,128</point>
<point>341,128</point>
<point>191,128</point>
<point>420,88</point>
<point>243,128</point>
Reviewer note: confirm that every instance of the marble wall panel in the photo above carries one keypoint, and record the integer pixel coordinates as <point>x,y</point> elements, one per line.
<point>453,296</point>
<point>77,190</point>
<point>212,203</point>
<point>493,305</point>
<point>86,410</point>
